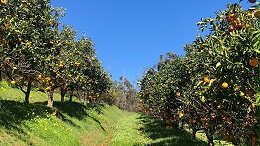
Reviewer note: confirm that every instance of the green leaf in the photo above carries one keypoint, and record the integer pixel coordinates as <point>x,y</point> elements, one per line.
<point>1,49</point>
<point>218,64</point>
<point>257,50</point>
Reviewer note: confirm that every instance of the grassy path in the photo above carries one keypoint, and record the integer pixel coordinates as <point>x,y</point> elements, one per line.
<point>128,131</point>
<point>134,129</point>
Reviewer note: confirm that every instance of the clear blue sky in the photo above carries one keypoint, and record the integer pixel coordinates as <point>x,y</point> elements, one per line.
<point>130,35</point>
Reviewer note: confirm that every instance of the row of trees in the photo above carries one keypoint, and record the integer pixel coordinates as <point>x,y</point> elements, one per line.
<point>215,86</point>
<point>35,53</point>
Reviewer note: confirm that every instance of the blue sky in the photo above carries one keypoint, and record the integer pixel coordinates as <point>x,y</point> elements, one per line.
<point>130,35</point>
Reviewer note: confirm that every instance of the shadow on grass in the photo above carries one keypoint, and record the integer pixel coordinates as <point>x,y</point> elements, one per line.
<point>78,110</point>
<point>13,113</point>
<point>155,130</point>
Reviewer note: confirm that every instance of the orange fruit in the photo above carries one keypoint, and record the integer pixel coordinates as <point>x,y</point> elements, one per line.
<point>241,94</point>
<point>206,79</point>
<point>181,115</point>
<point>256,13</point>
<point>224,85</point>
<point>249,93</point>
<point>47,79</point>
<point>253,62</point>
<point>60,65</point>
<point>3,2</point>
<point>230,17</point>
<point>13,82</point>
<point>252,1</point>
<point>231,28</point>
<point>19,39</point>
<point>178,94</point>
<point>2,42</point>
<point>39,76</point>
<point>240,25</point>
<point>48,88</point>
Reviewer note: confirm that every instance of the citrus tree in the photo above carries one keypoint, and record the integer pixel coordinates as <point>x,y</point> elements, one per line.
<point>215,85</point>
<point>27,28</point>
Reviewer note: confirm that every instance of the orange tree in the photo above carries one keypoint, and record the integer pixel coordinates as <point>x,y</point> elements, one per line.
<point>160,90</point>
<point>218,89</point>
<point>233,91</point>
<point>58,70</point>
<point>74,69</point>
<point>225,78</point>
<point>26,30</point>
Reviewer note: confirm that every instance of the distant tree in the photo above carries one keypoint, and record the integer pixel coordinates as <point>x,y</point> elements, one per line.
<point>127,95</point>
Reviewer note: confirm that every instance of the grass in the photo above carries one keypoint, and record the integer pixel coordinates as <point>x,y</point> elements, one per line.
<point>71,123</point>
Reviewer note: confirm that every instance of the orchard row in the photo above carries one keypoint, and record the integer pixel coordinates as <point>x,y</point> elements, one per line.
<point>215,86</point>
<point>36,53</point>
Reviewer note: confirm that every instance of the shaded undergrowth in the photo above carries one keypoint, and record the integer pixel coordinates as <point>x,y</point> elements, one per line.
<point>155,130</point>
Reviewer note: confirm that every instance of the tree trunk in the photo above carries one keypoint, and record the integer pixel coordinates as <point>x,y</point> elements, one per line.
<point>70,97</point>
<point>209,137</point>
<point>62,94</point>
<point>1,75</point>
<point>50,99</point>
<point>84,98</point>
<point>194,131</point>
<point>27,93</point>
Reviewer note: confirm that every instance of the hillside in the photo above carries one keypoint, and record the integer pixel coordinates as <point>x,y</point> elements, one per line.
<point>71,123</point>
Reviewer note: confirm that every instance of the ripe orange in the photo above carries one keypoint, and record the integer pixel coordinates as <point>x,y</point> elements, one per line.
<point>19,39</point>
<point>241,94</point>
<point>253,62</point>
<point>60,65</point>
<point>224,85</point>
<point>48,88</point>
<point>3,2</point>
<point>240,25</point>
<point>181,115</point>
<point>249,93</point>
<point>77,63</point>
<point>252,1</point>
<point>178,94</point>
<point>231,28</point>
<point>256,13</point>
<point>47,79</point>
<point>237,88</point>
<point>2,42</point>
<point>39,76</point>
<point>230,17</point>
<point>206,79</point>
<point>13,82</point>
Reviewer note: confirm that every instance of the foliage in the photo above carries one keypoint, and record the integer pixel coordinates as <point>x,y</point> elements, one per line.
<point>215,86</point>
<point>34,53</point>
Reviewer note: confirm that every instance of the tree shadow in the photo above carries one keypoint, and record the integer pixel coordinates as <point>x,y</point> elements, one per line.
<point>155,130</point>
<point>13,113</point>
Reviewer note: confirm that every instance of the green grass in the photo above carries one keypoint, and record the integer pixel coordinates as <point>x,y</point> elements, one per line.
<point>75,124</point>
